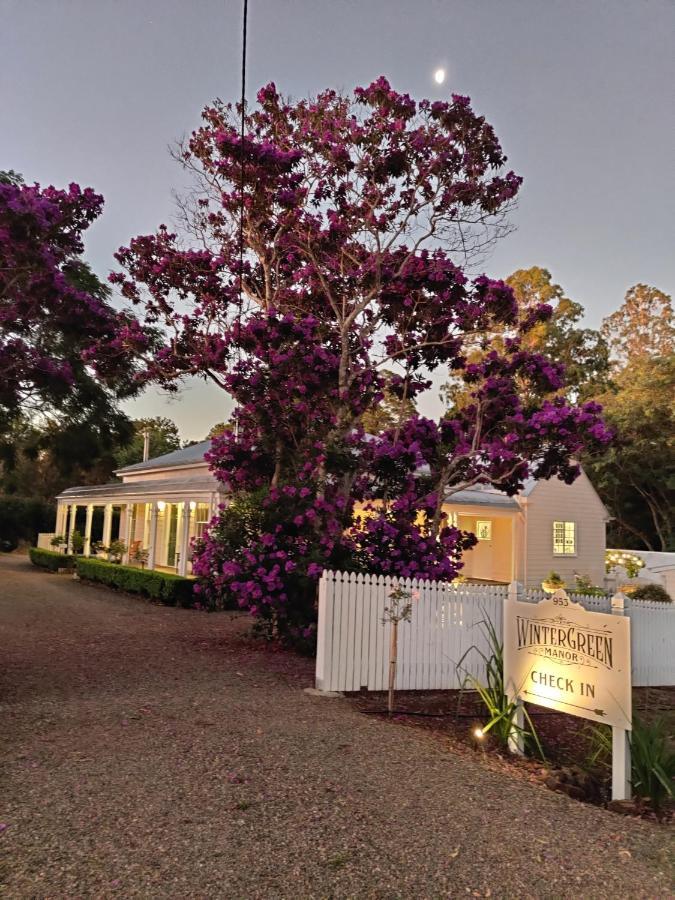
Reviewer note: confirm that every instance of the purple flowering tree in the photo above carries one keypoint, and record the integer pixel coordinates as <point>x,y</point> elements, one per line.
<point>57,330</point>
<point>359,213</point>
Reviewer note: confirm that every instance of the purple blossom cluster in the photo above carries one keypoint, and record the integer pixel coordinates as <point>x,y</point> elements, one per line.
<point>48,324</point>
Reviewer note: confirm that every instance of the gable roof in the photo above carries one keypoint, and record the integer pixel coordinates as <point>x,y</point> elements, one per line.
<point>531,484</point>
<point>186,456</point>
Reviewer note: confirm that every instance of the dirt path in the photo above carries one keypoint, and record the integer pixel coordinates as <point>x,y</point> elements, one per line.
<point>152,752</point>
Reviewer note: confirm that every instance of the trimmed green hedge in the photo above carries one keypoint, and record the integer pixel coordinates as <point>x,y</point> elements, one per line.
<point>49,559</point>
<point>171,590</point>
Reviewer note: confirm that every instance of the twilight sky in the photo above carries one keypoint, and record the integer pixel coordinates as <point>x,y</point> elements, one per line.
<point>581,94</point>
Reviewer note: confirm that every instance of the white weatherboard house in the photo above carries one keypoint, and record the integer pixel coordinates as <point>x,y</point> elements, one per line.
<point>161,504</point>
<point>548,526</point>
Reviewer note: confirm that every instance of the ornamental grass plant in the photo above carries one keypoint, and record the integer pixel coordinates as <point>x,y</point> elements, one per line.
<point>500,709</point>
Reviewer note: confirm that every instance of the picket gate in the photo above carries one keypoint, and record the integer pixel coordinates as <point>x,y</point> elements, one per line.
<point>446,629</point>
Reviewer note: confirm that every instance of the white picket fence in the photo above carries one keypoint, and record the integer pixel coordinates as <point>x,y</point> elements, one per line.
<point>353,638</point>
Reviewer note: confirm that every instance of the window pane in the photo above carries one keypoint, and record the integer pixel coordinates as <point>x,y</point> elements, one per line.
<point>564,538</point>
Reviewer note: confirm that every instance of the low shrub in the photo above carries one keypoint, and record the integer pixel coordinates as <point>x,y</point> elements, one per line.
<point>584,585</point>
<point>652,759</point>
<point>50,559</point>
<point>166,588</point>
<point>492,693</point>
<point>651,592</point>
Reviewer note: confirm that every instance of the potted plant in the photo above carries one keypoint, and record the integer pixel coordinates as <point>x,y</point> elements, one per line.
<point>116,551</point>
<point>77,543</point>
<point>552,583</point>
<point>58,542</point>
<point>139,555</point>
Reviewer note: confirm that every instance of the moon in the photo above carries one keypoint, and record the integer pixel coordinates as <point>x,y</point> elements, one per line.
<point>439,76</point>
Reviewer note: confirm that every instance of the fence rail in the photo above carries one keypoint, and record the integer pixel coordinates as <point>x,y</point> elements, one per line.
<point>445,629</point>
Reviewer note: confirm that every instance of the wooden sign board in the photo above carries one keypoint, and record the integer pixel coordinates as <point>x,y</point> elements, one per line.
<point>559,655</point>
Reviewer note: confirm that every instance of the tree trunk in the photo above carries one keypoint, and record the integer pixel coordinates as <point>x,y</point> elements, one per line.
<point>393,651</point>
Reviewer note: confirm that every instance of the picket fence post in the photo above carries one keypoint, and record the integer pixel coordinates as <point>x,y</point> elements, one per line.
<point>516,742</point>
<point>322,636</point>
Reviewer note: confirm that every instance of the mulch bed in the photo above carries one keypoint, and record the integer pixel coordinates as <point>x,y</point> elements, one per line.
<point>566,740</point>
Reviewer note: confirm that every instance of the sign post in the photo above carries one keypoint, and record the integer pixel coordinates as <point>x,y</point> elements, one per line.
<point>621,762</point>
<point>559,655</point>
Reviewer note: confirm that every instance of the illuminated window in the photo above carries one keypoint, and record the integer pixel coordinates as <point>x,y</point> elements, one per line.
<point>484,530</point>
<point>564,538</point>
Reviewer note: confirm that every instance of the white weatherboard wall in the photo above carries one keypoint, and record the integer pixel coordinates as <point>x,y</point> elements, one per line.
<point>353,642</point>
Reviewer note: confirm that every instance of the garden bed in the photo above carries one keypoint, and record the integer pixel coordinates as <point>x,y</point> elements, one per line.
<point>566,740</point>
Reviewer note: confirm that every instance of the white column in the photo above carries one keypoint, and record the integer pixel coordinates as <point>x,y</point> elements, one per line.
<point>124,530</point>
<point>87,530</point>
<point>184,538</point>
<point>152,541</point>
<point>71,526</point>
<point>59,527</point>
<point>621,761</point>
<point>107,524</point>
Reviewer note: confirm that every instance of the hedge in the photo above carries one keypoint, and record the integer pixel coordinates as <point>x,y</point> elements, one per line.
<point>169,589</point>
<point>653,592</point>
<point>49,559</point>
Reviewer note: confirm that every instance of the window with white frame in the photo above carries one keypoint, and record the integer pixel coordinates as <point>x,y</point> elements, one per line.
<point>484,529</point>
<point>564,538</point>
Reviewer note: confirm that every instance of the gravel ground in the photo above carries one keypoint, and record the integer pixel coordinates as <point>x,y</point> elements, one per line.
<point>152,752</point>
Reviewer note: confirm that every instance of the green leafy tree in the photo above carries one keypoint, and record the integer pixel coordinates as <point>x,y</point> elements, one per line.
<point>636,477</point>
<point>583,351</point>
<point>39,460</point>
<point>642,326</point>
<point>219,428</point>
<point>164,438</point>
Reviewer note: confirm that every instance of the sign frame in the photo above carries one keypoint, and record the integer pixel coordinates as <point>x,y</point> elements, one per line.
<point>562,656</point>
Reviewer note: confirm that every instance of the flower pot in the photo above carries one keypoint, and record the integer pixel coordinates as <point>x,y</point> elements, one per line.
<point>550,587</point>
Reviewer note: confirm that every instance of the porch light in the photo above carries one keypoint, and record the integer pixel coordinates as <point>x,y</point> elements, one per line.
<point>193,505</point>
<point>161,505</point>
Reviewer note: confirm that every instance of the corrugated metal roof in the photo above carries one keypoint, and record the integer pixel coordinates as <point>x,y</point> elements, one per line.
<point>183,457</point>
<point>483,496</point>
<point>159,487</point>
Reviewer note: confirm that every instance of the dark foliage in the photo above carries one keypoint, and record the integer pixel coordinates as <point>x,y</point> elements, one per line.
<point>21,519</point>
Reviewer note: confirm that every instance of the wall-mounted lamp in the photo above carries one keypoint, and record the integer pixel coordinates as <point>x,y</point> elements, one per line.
<point>161,505</point>
<point>193,505</point>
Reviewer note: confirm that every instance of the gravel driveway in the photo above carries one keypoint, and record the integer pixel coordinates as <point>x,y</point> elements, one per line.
<point>152,752</point>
